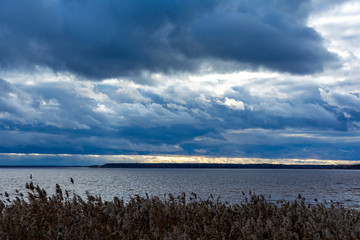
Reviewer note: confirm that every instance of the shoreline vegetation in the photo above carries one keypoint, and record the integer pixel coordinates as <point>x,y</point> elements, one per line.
<point>200,165</point>
<point>65,215</point>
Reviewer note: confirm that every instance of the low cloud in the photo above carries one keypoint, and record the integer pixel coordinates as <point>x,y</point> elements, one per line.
<point>342,100</point>
<point>81,117</point>
<point>234,104</point>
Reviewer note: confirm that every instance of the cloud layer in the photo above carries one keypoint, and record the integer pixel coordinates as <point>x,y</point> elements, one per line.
<point>237,79</point>
<point>106,39</point>
<point>268,118</point>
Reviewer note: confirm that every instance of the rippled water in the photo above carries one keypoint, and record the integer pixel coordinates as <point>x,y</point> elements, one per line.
<point>338,185</point>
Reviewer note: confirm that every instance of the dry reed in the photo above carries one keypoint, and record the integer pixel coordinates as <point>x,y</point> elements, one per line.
<point>66,215</point>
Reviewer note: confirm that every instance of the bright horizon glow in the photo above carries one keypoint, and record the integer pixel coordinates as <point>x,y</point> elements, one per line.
<point>173,159</point>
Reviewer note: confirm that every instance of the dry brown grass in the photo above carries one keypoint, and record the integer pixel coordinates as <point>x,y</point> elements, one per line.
<point>68,216</point>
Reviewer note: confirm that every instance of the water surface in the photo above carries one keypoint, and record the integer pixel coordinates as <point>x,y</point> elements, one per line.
<point>338,185</point>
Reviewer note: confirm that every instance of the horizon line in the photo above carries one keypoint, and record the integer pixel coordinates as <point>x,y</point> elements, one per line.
<point>98,159</point>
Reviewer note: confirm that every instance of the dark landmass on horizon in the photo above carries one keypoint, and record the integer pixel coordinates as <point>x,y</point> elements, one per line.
<point>41,166</point>
<point>224,165</point>
<point>196,165</point>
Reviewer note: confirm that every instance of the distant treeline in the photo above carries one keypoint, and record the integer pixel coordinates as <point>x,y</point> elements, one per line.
<point>222,165</point>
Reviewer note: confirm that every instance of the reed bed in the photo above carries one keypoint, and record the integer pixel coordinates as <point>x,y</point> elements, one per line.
<point>65,215</point>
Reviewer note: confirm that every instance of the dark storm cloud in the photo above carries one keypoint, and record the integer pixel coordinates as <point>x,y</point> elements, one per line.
<point>101,39</point>
<point>268,37</point>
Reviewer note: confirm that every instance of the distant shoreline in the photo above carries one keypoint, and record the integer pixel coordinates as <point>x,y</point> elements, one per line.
<point>196,166</point>
<point>223,165</point>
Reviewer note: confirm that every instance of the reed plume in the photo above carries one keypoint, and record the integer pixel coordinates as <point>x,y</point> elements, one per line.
<point>66,216</point>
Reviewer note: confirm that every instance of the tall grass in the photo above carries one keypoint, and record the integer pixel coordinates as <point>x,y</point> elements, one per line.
<point>65,215</point>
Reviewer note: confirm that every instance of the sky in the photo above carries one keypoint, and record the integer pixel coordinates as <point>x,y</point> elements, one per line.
<point>237,81</point>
